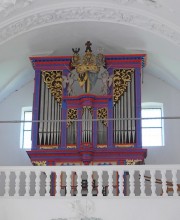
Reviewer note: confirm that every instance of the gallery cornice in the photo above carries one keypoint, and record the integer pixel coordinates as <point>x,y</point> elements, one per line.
<point>109,13</point>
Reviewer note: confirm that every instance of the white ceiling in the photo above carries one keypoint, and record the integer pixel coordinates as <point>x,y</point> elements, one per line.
<point>43,27</point>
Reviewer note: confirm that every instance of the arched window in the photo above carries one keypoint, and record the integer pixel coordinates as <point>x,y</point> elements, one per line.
<point>152,124</point>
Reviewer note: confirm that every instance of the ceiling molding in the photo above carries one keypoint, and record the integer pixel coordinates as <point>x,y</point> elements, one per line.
<point>8,6</point>
<point>72,13</point>
<point>148,3</point>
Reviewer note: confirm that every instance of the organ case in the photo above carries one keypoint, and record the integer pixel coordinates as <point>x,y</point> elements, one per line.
<point>86,108</point>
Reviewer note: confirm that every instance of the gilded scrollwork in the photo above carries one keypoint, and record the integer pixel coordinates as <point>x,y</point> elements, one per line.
<point>71,147</point>
<point>120,82</point>
<point>71,115</point>
<point>102,146</point>
<point>48,147</point>
<point>102,115</point>
<point>53,80</point>
<point>133,162</point>
<point>39,163</point>
<point>124,145</point>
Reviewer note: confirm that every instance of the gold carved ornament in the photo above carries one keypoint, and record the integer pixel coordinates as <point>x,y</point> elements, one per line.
<point>82,78</point>
<point>133,162</point>
<point>39,163</point>
<point>120,82</point>
<point>48,147</point>
<point>53,80</point>
<point>88,63</point>
<point>71,146</point>
<point>71,115</point>
<point>101,146</point>
<point>102,115</point>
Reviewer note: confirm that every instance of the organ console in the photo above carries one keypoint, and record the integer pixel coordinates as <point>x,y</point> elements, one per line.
<point>86,109</point>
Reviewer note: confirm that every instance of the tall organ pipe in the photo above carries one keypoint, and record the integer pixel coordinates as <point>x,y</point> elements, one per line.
<point>41,124</point>
<point>50,116</point>
<point>129,112</point>
<point>133,108</point>
<point>124,109</point>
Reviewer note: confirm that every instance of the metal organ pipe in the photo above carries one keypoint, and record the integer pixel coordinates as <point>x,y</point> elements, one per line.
<point>118,114</point>
<point>125,124</point>
<point>86,125</point>
<point>55,123</point>
<point>45,115</point>
<point>116,122</point>
<point>133,108</point>
<point>90,126</point>
<point>127,121</point>
<point>58,134</point>
<point>129,113</point>
<point>84,129</point>
<point>124,129</point>
<point>71,133</point>
<point>122,121</point>
<point>52,122</point>
<point>41,124</point>
<point>102,133</point>
<point>50,112</point>
<point>74,132</point>
<point>83,126</point>
<point>48,118</point>
<point>114,133</point>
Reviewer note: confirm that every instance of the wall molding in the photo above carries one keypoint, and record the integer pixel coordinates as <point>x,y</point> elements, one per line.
<point>69,13</point>
<point>9,6</point>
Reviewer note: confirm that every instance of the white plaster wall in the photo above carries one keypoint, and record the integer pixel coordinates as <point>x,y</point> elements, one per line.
<point>95,208</point>
<point>153,90</point>
<point>10,109</point>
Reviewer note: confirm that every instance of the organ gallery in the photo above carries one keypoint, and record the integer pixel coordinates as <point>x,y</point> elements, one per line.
<point>86,109</point>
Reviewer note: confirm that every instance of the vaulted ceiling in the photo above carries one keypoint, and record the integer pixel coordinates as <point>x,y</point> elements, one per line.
<point>43,27</point>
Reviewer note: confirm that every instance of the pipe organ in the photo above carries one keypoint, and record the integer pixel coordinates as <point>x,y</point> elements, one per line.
<point>85,109</point>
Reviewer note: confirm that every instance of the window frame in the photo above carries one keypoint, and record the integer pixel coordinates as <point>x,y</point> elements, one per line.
<point>153,105</point>
<point>22,129</point>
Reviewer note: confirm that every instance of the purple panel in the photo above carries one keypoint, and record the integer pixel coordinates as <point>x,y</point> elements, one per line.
<point>36,106</point>
<point>138,107</point>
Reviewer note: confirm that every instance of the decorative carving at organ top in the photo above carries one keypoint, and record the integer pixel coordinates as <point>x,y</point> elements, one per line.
<point>89,71</point>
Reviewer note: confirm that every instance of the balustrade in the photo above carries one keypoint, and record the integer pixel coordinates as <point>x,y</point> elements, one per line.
<point>120,181</point>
